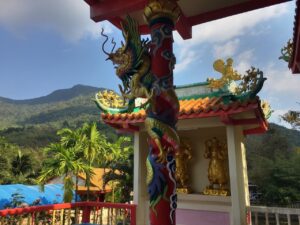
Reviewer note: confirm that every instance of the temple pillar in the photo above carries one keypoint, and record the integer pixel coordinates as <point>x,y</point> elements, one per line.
<point>162,115</point>
<point>238,175</point>
<point>140,195</point>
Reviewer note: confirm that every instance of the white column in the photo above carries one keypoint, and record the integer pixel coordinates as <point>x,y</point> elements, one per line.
<point>238,175</point>
<point>140,196</point>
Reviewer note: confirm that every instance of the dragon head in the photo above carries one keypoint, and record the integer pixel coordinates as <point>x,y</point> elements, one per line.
<point>121,58</point>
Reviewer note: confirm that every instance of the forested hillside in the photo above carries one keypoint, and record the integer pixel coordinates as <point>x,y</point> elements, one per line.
<point>273,162</point>
<point>33,123</point>
<point>27,126</point>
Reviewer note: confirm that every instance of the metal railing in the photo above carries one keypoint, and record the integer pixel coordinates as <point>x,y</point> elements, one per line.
<point>263,215</point>
<point>71,213</point>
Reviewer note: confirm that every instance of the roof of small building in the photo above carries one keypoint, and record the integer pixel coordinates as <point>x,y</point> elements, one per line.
<point>200,100</point>
<point>96,180</point>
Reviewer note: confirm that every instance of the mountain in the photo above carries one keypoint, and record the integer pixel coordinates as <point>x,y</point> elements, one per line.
<point>56,96</point>
<point>34,122</point>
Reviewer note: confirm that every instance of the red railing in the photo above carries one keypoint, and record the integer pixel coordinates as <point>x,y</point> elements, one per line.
<point>71,213</point>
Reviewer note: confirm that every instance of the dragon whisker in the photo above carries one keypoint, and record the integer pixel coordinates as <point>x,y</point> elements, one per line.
<point>114,43</point>
<point>104,35</point>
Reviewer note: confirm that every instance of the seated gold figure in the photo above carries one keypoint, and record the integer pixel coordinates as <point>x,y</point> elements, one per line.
<point>183,157</point>
<point>218,168</point>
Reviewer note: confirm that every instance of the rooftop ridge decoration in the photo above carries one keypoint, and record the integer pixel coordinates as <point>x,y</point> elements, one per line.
<point>287,51</point>
<point>234,85</point>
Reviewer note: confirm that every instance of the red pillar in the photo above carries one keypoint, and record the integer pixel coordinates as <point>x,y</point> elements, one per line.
<point>163,114</point>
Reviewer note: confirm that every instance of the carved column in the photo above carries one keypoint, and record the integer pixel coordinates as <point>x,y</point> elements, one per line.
<point>162,116</point>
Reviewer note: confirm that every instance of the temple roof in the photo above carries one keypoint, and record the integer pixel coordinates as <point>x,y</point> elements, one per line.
<point>200,101</point>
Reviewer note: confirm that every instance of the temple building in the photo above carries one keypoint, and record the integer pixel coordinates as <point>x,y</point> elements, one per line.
<point>211,174</point>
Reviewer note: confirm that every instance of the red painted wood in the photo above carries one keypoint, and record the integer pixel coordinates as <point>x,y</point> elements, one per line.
<point>86,214</point>
<point>295,60</point>
<point>107,9</point>
<point>112,9</point>
<point>33,209</point>
<point>184,28</point>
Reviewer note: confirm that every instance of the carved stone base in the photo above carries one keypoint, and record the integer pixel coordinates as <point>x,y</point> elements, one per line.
<point>183,190</point>
<point>216,192</point>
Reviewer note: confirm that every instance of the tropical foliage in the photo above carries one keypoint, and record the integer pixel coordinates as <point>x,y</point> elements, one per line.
<point>120,162</point>
<point>274,166</point>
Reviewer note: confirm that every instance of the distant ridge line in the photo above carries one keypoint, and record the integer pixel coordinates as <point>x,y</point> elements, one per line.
<point>56,96</point>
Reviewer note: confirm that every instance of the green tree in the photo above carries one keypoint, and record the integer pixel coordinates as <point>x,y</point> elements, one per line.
<point>89,144</point>
<point>120,163</point>
<point>63,162</point>
<point>293,118</point>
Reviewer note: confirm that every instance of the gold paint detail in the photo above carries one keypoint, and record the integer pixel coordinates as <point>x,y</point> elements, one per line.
<point>216,192</point>
<point>218,174</point>
<point>183,190</point>
<point>110,99</point>
<point>161,8</point>
<point>287,51</point>
<point>266,108</point>
<point>167,131</point>
<point>227,71</point>
<point>183,157</point>
<point>149,177</point>
<point>233,81</point>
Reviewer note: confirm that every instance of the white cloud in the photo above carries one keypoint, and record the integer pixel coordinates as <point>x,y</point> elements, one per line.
<point>281,81</point>
<point>227,30</point>
<point>69,18</point>
<point>185,59</point>
<point>244,61</point>
<point>226,50</point>
<point>230,27</point>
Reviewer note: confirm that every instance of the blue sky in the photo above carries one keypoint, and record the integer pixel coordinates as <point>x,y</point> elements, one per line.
<point>52,45</point>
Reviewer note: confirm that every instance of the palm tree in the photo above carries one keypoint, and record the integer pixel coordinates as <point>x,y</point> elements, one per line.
<point>63,162</point>
<point>89,145</point>
<point>120,161</point>
<point>94,144</point>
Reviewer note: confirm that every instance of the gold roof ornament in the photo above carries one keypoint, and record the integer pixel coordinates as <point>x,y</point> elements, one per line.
<point>247,85</point>
<point>161,8</point>
<point>287,51</point>
<point>108,99</point>
<point>266,108</point>
<point>227,71</point>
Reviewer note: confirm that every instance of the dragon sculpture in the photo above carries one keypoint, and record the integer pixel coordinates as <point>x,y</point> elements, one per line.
<point>133,63</point>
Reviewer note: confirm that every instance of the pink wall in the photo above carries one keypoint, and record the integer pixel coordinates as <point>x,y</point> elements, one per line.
<point>195,217</point>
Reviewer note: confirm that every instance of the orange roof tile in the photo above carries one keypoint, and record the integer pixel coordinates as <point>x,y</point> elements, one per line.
<point>192,108</point>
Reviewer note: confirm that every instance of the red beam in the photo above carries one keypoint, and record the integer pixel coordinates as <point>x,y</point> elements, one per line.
<point>116,21</point>
<point>91,2</point>
<point>295,59</point>
<point>184,27</point>
<point>107,9</point>
<point>232,10</point>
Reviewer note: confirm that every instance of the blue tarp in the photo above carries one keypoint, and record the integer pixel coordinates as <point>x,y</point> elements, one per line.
<point>53,193</point>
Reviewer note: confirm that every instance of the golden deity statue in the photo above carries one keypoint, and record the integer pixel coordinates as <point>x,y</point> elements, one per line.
<point>183,157</point>
<point>216,151</point>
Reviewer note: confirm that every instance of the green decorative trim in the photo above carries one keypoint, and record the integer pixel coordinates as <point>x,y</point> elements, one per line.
<point>191,85</point>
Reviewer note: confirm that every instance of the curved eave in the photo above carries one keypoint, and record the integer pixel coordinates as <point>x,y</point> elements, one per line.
<point>294,63</point>
<point>130,122</point>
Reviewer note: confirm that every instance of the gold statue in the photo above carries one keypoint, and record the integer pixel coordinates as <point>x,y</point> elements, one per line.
<point>227,71</point>
<point>183,157</point>
<point>216,151</point>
